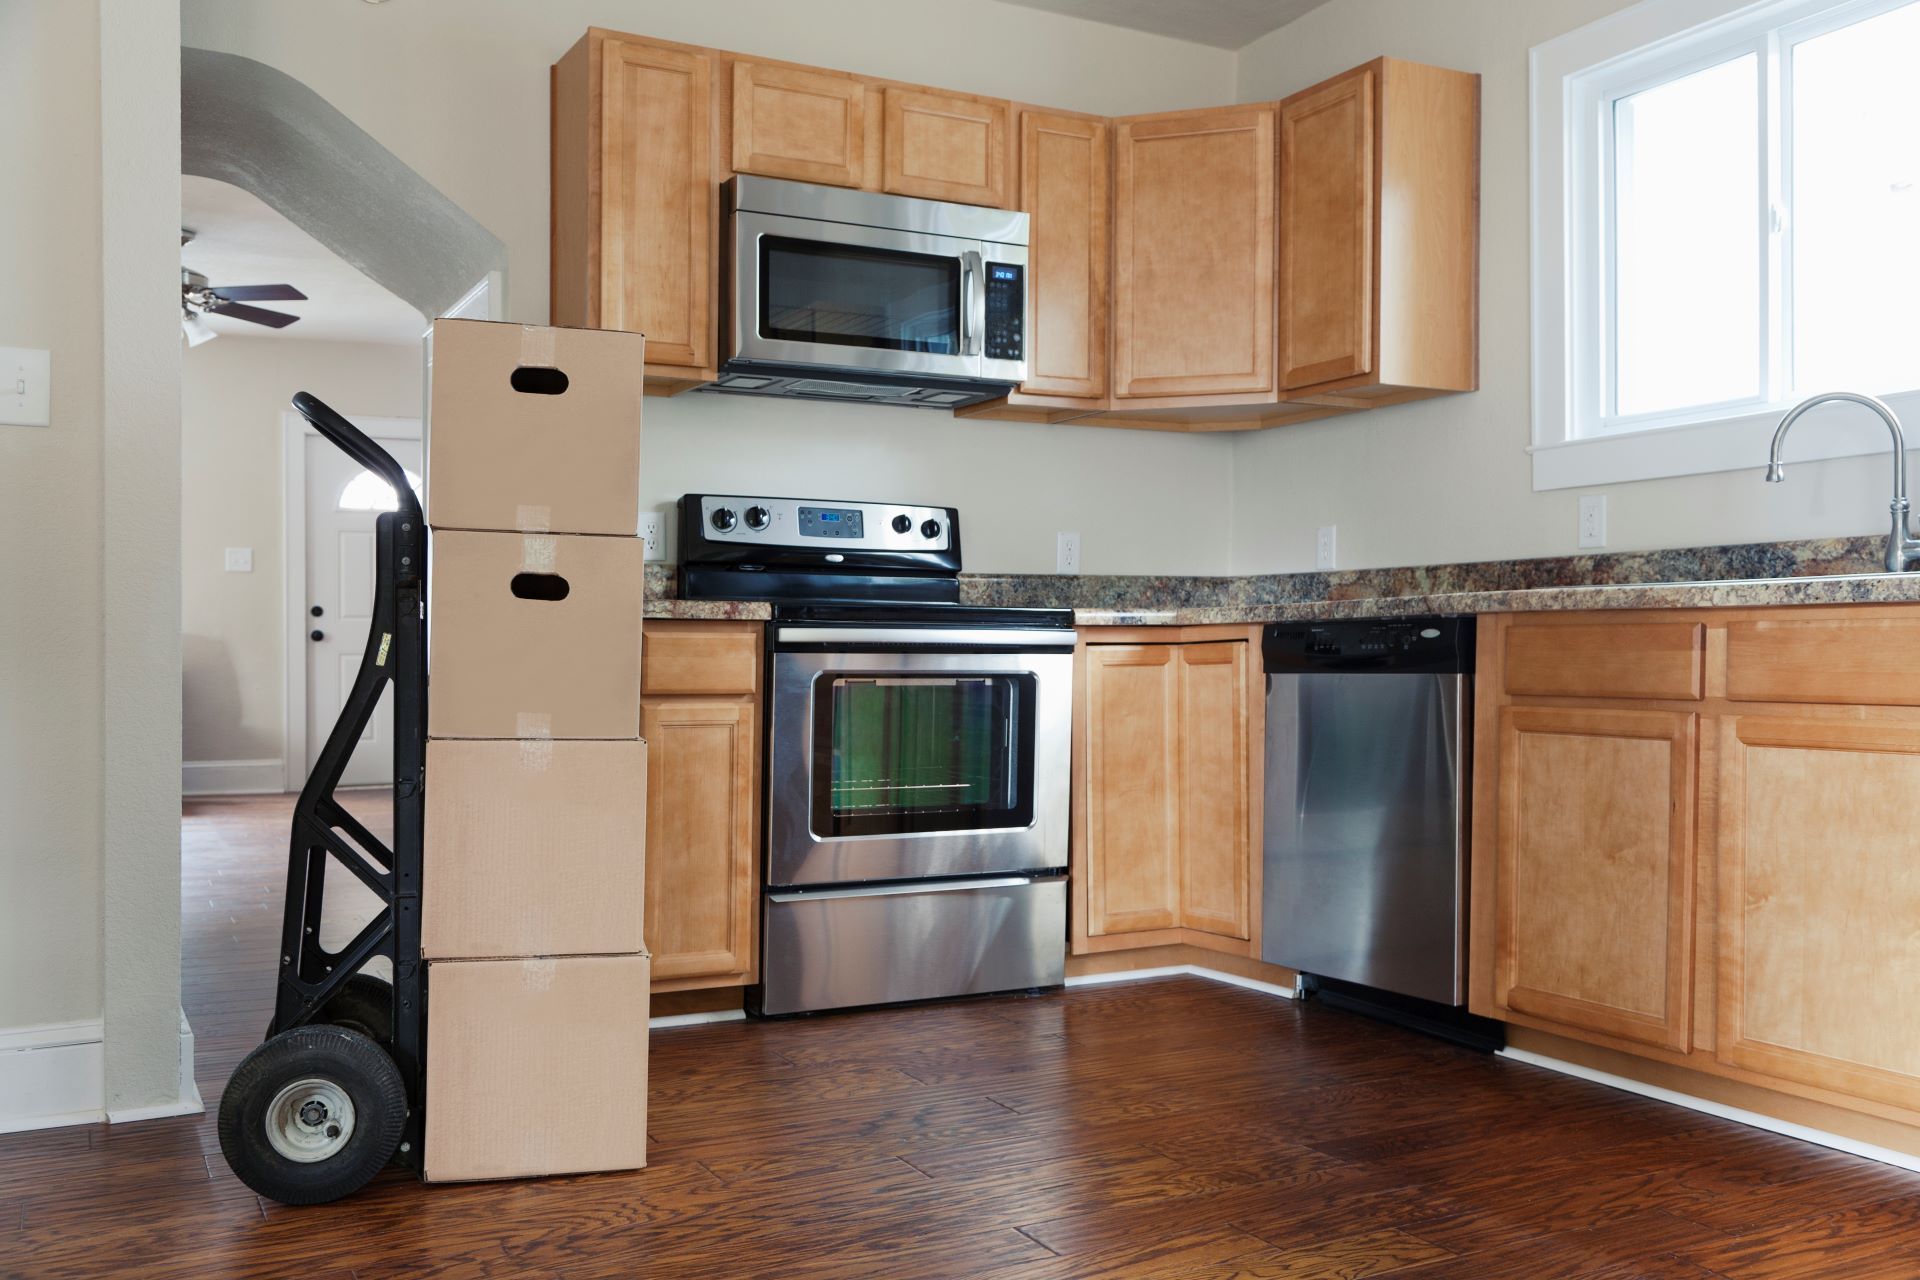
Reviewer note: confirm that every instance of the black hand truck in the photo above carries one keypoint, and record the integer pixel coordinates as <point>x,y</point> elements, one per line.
<point>338,1088</point>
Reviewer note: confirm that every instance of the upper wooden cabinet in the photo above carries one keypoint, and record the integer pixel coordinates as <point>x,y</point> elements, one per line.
<point>1379,236</point>
<point>1065,192</point>
<point>1193,236</point>
<point>1164,819</point>
<point>634,192</point>
<point>943,146</point>
<point>810,126</point>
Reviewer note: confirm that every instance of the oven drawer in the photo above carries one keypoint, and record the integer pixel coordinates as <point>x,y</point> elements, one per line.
<point>838,948</point>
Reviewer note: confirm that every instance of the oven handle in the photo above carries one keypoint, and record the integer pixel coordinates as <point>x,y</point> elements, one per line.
<point>927,637</point>
<point>973,319</point>
<point>900,890</point>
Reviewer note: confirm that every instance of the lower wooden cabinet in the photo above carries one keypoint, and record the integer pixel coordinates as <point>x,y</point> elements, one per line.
<point>1722,875</point>
<point>703,783</point>
<point>1164,828</point>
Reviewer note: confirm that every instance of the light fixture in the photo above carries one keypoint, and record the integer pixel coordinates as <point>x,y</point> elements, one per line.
<point>196,330</point>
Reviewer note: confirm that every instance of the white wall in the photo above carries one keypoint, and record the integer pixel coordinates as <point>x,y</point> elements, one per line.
<point>89,657</point>
<point>459,90</point>
<point>1451,479</point>
<point>233,392</point>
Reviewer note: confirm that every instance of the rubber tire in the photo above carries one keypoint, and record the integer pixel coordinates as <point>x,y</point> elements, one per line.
<point>364,1004</point>
<point>350,1060</point>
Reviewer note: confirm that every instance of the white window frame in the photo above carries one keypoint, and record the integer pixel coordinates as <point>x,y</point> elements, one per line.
<point>1576,79</point>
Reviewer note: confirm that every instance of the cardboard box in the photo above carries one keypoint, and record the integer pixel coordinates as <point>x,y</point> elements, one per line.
<point>536,1066</point>
<point>533,429</point>
<point>534,636</point>
<point>534,848</point>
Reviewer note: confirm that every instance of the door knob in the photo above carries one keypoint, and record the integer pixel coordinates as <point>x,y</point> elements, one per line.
<point>316,635</point>
<point>316,611</point>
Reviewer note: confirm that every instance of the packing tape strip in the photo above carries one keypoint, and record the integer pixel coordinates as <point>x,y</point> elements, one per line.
<point>533,725</point>
<point>529,518</point>
<point>538,553</point>
<point>537,974</point>
<point>536,754</point>
<point>536,346</point>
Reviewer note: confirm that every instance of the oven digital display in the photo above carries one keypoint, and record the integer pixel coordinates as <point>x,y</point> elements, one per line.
<point>831,522</point>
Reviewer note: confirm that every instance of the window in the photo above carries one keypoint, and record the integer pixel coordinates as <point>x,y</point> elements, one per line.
<point>1726,220</point>
<point>368,492</point>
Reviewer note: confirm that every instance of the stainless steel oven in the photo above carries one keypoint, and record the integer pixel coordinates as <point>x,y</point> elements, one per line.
<point>852,295</point>
<point>917,802</point>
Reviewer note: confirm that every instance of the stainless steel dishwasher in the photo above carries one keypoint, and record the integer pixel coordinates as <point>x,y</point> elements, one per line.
<point>1368,724</point>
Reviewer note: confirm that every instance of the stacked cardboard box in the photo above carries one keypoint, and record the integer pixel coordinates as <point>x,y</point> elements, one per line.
<point>535,866</point>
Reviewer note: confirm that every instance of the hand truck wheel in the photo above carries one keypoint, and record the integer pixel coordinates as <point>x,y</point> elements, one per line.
<point>365,1005</point>
<point>312,1115</point>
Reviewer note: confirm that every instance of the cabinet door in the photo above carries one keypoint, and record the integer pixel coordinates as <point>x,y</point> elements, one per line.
<point>943,147</point>
<point>1594,880</point>
<point>1193,227</point>
<point>1133,809</point>
<point>1819,896</point>
<point>1064,191</point>
<point>810,126</point>
<point>1326,231</point>
<point>1213,787</point>
<point>700,839</point>
<point>657,201</point>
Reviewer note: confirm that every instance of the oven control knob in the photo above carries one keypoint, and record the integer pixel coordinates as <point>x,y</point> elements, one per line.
<point>758,517</point>
<point>931,529</point>
<point>723,519</point>
<point>902,523</point>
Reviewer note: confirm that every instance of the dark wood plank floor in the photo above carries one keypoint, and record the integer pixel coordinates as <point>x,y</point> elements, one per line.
<point>1173,1128</point>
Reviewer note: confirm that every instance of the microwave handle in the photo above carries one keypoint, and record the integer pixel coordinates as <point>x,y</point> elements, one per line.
<point>973,302</point>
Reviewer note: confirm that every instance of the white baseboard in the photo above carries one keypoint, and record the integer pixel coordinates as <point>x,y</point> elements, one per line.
<point>695,1019</point>
<point>188,1103</point>
<point>1740,1115</point>
<point>52,1074</point>
<point>232,777</point>
<point>1183,971</point>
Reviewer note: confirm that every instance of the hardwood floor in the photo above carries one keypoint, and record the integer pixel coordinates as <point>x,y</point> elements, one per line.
<point>1174,1128</point>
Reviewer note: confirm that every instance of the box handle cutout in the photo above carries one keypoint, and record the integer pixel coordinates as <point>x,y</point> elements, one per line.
<point>539,586</point>
<point>539,380</point>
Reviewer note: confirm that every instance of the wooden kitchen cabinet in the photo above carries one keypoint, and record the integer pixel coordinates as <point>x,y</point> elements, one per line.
<point>945,146</point>
<point>699,713</point>
<point>634,195</point>
<point>1064,191</point>
<point>1379,215</point>
<point>1164,825</point>
<point>791,122</point>
<point>1693,844</point>
<point>1194,241</point>
<point>1595,887</point>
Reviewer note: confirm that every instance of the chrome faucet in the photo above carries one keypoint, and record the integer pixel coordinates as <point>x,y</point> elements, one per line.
<point>1903,549</point>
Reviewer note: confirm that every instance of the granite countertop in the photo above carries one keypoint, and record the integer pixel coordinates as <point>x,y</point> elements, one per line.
<point>1814,571</point>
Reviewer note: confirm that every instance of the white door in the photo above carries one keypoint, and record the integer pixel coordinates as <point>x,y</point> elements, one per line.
<point>342,500</point>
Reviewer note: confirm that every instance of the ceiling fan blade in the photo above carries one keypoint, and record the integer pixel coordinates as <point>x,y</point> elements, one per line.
<point>260,293</point>
<point>257,315</point>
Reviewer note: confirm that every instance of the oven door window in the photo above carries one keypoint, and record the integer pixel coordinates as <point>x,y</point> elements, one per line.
<point>898,755</point>
<point>812,291</point>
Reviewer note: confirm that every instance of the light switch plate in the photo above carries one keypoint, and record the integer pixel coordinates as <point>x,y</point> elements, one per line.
<point>239,559</point>
<point>26,387</point>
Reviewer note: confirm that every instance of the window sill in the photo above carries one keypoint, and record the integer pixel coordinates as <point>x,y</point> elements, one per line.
<point>1702,448</point>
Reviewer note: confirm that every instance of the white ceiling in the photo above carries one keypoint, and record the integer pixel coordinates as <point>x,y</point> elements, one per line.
<point>1225,24</point>
<point>238,239</point>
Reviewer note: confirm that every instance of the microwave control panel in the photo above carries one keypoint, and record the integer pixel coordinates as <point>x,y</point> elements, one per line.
<point>1006,311</point>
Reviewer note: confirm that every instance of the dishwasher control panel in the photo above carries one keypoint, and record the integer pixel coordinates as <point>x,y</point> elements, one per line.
<point>1370,644</point>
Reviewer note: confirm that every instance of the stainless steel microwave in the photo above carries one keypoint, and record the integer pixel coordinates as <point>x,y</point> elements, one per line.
<point>852,295</point>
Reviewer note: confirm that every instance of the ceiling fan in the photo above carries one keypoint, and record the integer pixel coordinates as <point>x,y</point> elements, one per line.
<point>199,299</point>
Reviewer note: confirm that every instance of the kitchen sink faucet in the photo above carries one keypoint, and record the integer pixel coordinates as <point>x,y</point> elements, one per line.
<point>1903,549</point>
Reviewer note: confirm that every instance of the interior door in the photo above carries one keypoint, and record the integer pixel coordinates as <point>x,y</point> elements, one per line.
<point>336,605</point>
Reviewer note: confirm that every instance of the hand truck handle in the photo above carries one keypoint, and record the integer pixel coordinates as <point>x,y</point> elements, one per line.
<point>356,444</point>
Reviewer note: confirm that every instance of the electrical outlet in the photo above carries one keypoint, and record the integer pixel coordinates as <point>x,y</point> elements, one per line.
<point>1593,520</point>
<point>1323,557</point>
<point>650,534</point>
<point>1066,553</point>
<point>239,559</point>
